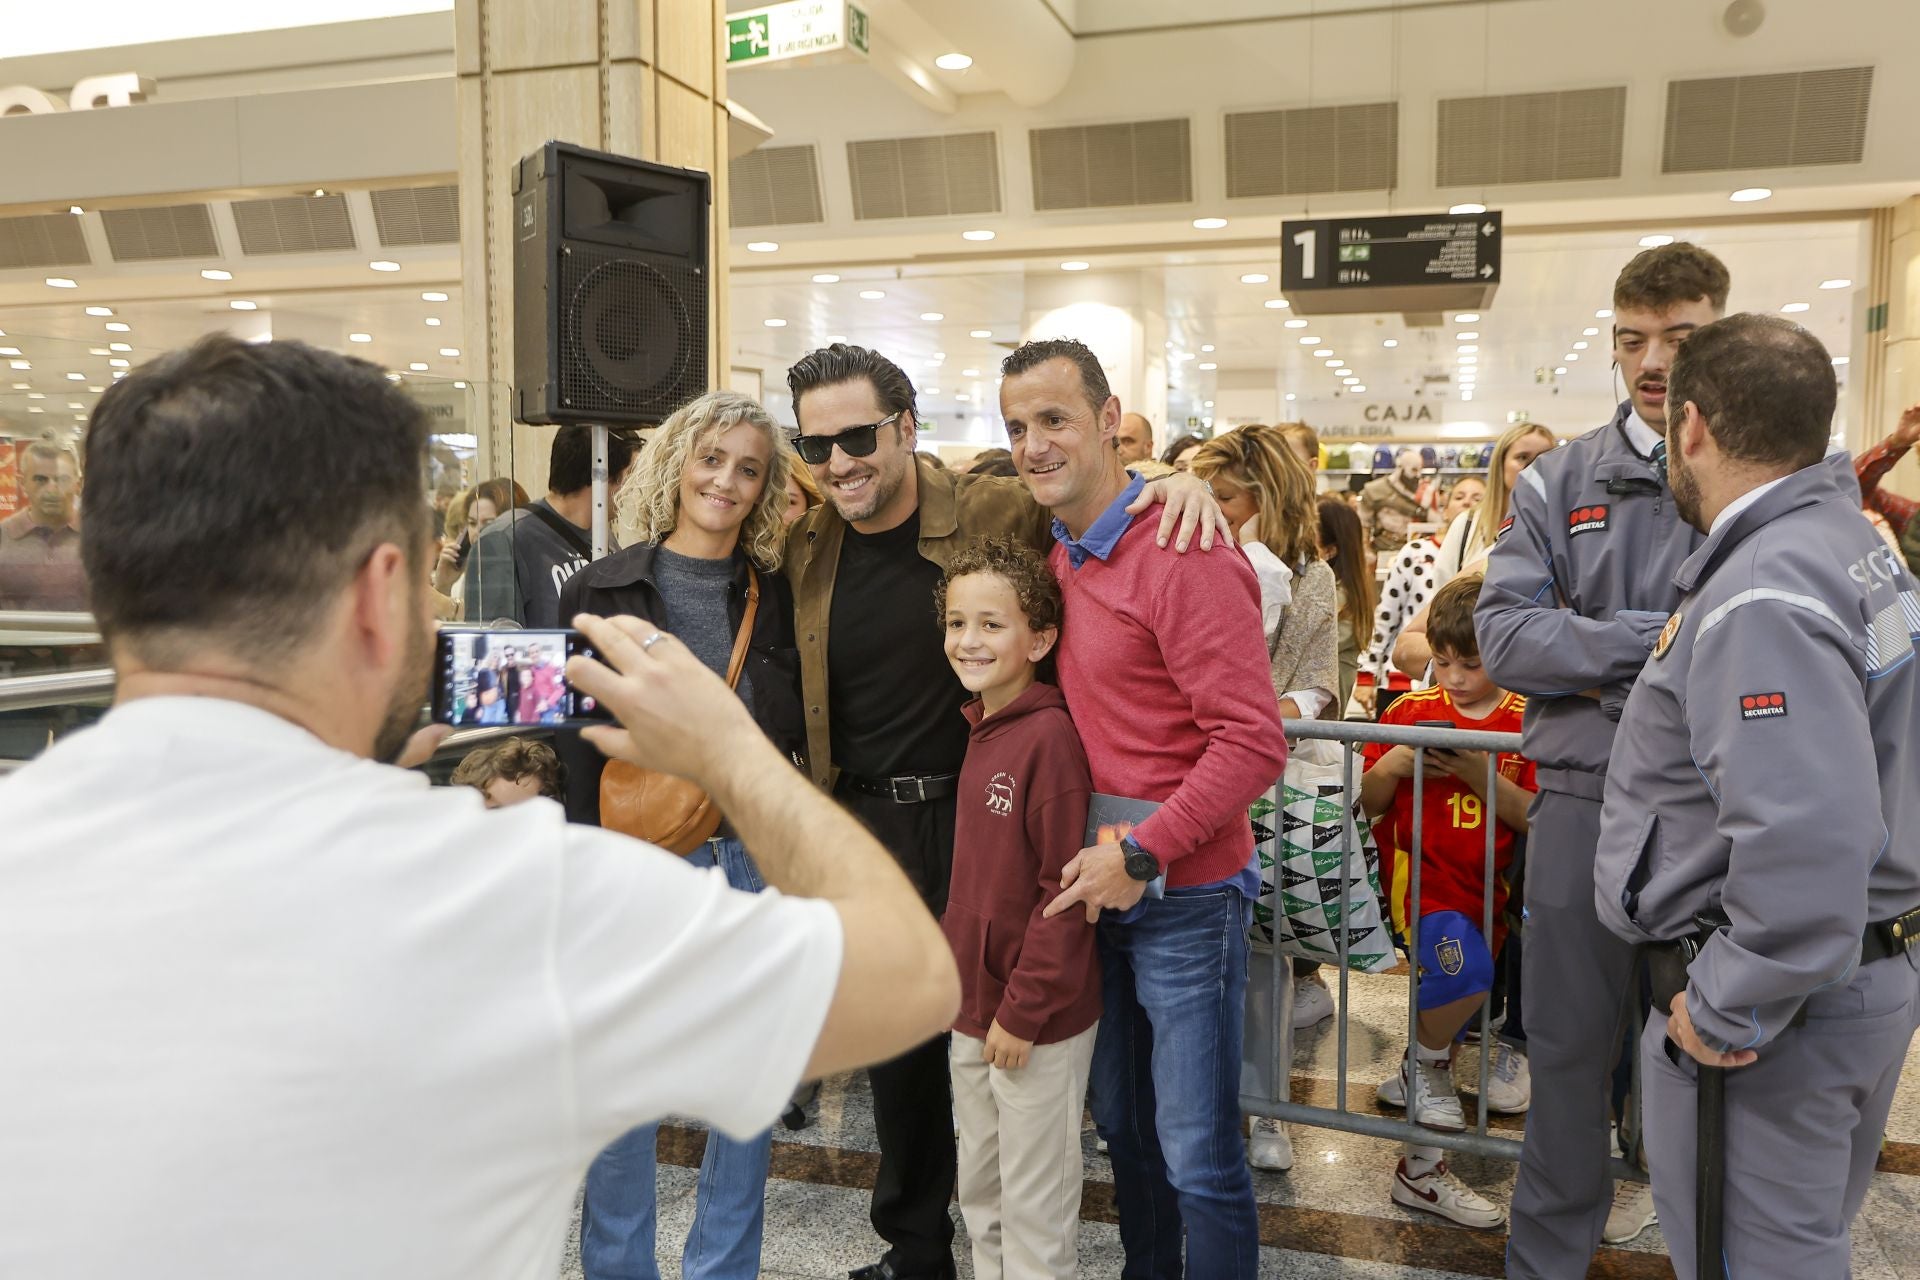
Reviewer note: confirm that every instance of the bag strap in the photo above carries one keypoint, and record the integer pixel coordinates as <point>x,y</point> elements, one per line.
<point>562,527</point>
<point>739,660</point>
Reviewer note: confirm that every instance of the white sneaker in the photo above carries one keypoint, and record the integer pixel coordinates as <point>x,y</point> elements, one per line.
<point>1312,1002</point>
<point>1436,1105</point>
<point>1509,1078</point>
<point>1631,1214</point>
<point>1439,1192</point>
<point>1268,1146</point>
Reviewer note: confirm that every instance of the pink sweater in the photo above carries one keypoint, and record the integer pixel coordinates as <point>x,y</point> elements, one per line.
<point>1166,674</point>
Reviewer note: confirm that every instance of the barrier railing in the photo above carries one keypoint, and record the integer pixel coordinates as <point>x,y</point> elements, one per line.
<point>1278,1104</point>
<point>56,689</point>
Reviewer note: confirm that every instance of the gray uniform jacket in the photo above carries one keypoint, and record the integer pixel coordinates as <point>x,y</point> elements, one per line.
<point>1766,755</point>
<point>1578,586</point>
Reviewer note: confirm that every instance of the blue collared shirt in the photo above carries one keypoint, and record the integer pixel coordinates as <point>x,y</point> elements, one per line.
<point>1103,535</point>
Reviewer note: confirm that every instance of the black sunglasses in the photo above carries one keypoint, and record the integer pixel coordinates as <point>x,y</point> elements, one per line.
<point>855,442</point>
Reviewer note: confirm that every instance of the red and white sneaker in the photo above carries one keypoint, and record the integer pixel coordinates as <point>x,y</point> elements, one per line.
<point>1442,1194</point>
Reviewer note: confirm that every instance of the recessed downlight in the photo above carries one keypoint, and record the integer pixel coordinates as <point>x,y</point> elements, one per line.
<point>1467,317</point>
<point>384,264</point>
<point>1276,304</point>
<point>953,62</point>
<point>1391,342</point>
<point>1296,324</point>
<point>433,295</point>
<point>763,246</point>
<point>99,311</point>
<point>1209,224</point>
<point>1310,340</point>
<point>774,322</point>
<point>1255,277</point>
<point>1207,366</point>
<point>826,277</point>
<point>1838,283</point>
<point>214,273</point>
<point>1075,266</point>
<point>1654,242</point>
<point>1467,208</point>
<point>451,353</point>
<point>980,333</point>
<point>238,304</point>
<point>118,346</point>
<point>418,366</point>
<point>61,282</point>
<point>433,322</point>
<point>1748,195</point>
<point>1793,307</point>
<point>359,337</point>
<point>873,295</point>
<point>981,235</point>
<point>932,317</point>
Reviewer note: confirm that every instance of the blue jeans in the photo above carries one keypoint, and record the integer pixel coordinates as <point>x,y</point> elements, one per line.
<point>1166,1085</point>
<point>618,1219</point>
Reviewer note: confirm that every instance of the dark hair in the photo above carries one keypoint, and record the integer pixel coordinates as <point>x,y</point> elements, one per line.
<point>1670,274</point>
<point>1450,618</point>
<point>512,759</point>
<point>282,467</point>
<point>995,467</point>
<point>1030,355</point>
<point>843,362</point>
<point>1340,529</point>
<point>570,464</point>
<point>1764,385</point>
<point>1173,451</point>
<point>1020,567</point>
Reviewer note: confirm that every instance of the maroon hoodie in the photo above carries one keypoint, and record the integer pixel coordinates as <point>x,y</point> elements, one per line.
<point>1022,817</point>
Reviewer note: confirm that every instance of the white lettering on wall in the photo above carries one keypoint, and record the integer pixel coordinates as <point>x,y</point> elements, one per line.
<point>121,89</point>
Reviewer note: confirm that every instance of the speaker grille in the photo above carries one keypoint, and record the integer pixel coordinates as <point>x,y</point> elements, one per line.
<point>293,224</point>
<point>1569,136</point>
<point>417,215</point>
<point>925,177</point>
<point>150,235</point>
<point>1781,121</point>
<point>1309,150</point>
<point>1105,166</point>
<point>42,240</point>
<point>633,334</point>
<point>775,186</point>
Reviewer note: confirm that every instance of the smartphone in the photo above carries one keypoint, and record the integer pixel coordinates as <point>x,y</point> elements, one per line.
<point>1437,724</point>
<point>483,678</point>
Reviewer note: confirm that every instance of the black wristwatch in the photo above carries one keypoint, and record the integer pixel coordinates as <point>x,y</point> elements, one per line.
<point>1141,865</point>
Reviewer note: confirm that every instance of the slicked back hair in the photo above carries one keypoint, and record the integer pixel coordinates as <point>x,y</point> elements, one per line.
<point>1031,355</point>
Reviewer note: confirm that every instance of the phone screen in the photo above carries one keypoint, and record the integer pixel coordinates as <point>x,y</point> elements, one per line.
<point>485,678</point>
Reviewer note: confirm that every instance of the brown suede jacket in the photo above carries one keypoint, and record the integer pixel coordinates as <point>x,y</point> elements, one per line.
<point>954,511</point>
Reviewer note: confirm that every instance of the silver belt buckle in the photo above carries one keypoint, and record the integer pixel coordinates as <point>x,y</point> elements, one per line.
<point>919,785</point>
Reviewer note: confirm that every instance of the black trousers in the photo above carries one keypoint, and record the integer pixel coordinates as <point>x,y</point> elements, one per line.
<point>913,1095</point>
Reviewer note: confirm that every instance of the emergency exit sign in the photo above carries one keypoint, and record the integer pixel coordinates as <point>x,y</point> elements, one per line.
<point>798,29</point>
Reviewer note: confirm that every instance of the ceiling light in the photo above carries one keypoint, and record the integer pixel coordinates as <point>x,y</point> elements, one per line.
<point>92,351</point>
<point>99,311</point>
<point>433,295</point>
<point>1296,324</point>
<point>98,390</point>
<point>826,277</point>
<point>953,62</point>
<point>1291,396</point>
<point>933,391</point>
<point>118,363</point>
<point>1654,242</point>
<point>359,337</point>
<point>1310,341</point>
<point>241,304</point>
<point>60,282</point>
<point>1206,365</point>
<point>1466,395</point>
<point>1839,360</point>
<point>1467,350</point>
<point>933,316</point>
<point>19,364</point>
<point>21,386</point>
<point>938,356</point>
<point>1562,371</point>
<point>35,409</point>
<point>451,353</point>
<point>1466,317</point>
<point>1276,304</point>
<point>1206,404</point>
<point>461,385</point>
<point>75,209</point>
<point>1468,208</point>
<point>1469,359</point>
<point>1792,307</point>
<point>9,351</point>
<point>1836,284</point>
<point>1074,266</point>
<point>318,192</point>
<point>1209,224</point>
<point>1571,356</point>
<point>775,323</point>
<point>1255,277</point>
<point>119,374</point>
<point>969,373</point>
<point>1391,342</point>
<point>1205,347</point>
<point>1323,353</point>
<point>118,346</point>
<point>762,246</point>
<point>1747,195</point>
<point>75,404</point>
<point>1468,336</point>
<point>1359,390</point>
<point>36,395</point>
<point>418,366</point>
<point>977,235</point>
<point>433,322</point>
<point>384,265</point>
<point>1589,332</point>
<point>873,295</point>
<point>1579,346</point>
<point>980,333</point>
<point>76,377</point>
<point>1335,364</point>
<point>214,273</point>
<point>961,395</point>
<point>1603,314</point>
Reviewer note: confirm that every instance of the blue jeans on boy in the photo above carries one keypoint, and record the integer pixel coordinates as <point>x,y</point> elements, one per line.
<point>618,1218</point>
<point>1166,1085</point>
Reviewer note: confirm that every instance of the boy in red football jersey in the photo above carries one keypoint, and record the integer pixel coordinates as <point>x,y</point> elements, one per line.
<point>1456,961</point>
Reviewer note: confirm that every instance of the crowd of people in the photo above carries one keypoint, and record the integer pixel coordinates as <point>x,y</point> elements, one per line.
<point>904,688</point>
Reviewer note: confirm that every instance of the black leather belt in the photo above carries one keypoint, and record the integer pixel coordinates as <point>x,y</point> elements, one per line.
<point>1891,937</point>
<point>911,790</point>
<point>1667,962</point>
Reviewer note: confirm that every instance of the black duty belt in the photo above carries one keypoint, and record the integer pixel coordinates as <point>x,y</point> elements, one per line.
<point>1891,937</point>
<point>909,790</point>
<point>1667,962</point>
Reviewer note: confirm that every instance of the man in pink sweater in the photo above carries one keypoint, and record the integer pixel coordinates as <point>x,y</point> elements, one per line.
<point>1195,726</point>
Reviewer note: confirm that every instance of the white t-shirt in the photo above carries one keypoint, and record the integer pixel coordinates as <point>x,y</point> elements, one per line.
<point>274,1010</point>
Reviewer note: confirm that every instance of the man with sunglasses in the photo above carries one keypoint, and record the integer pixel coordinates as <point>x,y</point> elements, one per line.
<point>884,729</point>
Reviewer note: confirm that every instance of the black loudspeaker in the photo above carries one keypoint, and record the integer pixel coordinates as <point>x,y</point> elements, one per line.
<point>610,287</point>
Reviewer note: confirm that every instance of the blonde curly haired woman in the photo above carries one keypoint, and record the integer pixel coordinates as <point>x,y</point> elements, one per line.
<point>703,516</point>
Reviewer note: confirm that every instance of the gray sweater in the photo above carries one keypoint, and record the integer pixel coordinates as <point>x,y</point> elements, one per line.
<point>1306,652</point>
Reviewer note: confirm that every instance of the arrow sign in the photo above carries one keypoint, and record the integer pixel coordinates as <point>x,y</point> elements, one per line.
<point>1487,228</point>
<point>1418,262</point>
<point>1486,271</point>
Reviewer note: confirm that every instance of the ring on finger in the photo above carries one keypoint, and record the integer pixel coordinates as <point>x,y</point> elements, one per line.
<point>652,640</point>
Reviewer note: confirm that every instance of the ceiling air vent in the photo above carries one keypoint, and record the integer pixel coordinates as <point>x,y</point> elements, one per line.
<point>293,224</point>
<point>42,240</point>
<point>1567,136</point>
<point>1767,122</point>
<point>417,215</point>
<point>925,177</point>
<point>1309,150</point>
<point>150,235</point>
<point>775,186</point>
<point>1105,166</point>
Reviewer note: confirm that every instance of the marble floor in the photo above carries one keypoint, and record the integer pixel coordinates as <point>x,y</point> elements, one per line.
<point>1328,1217</point>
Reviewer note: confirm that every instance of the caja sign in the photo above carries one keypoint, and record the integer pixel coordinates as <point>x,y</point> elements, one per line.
<point>121,89</point>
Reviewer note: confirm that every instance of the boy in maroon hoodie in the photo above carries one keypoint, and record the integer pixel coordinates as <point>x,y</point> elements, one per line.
<point>1030,1005</point>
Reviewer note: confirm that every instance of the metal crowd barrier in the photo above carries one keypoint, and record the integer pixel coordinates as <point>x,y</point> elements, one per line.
<point>1477,1140</point>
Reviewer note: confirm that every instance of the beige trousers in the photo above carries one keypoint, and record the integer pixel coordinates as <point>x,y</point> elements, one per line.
<point>1020,1162</point>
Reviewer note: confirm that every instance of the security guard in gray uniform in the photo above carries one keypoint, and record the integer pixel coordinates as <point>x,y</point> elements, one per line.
<point>1578,587</point>
<point>1762,810</point>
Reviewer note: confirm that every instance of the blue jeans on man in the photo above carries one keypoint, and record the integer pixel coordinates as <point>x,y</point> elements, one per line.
<point>618,1218</point>
<point>1166,1085</point>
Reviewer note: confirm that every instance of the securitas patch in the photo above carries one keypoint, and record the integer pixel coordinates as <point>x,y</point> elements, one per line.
<point>1762,706</point>
<point>1586,520</point>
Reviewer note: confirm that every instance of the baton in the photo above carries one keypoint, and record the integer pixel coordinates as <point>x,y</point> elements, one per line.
<point>1709,1170</point>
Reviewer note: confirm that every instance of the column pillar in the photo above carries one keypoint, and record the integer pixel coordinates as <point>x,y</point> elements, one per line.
<point>1121,316</point>
<point>642,78</point>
